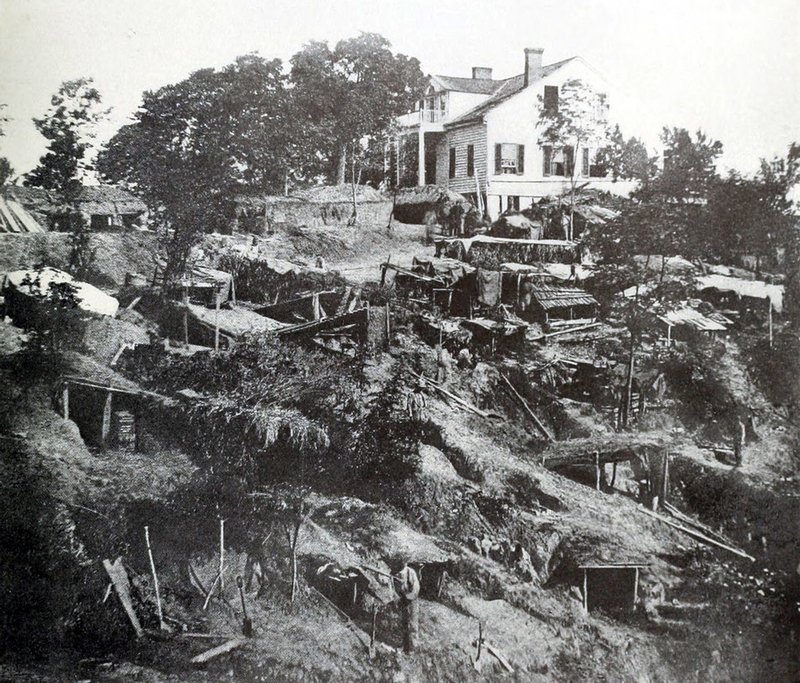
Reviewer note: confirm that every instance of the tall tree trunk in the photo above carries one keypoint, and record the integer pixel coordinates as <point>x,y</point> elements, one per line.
<point>573,182</point>
<point>626,406</point>
<point>354,218</point>
<point>663,267</point>
<point>341,165</point>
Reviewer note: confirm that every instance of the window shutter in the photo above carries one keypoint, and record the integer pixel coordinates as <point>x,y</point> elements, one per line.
<point>520,159</point>
<point>548,158</point>
<point>498,159</point>
<point>452,162</point>
<point>569,161</point>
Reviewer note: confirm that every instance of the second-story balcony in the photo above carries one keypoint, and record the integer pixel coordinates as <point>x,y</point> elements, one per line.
<point>422,116</point>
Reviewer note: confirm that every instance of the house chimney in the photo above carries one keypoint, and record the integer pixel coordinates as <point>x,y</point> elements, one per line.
<point>481,72</point>
<point>533,64</point>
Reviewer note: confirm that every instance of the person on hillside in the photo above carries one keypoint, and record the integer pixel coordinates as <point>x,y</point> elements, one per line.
<point>442,363</point>
<point>407,586</point>
<point>521,561</point>
<point>416,404</point>
<point>739,437</point>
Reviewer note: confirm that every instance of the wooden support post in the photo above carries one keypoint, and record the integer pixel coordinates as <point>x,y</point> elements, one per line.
<point>221,555</point>
<point>597,470</point>
<point>388,324</point>
<point>665,477</point>
<point>769,303</point>
<point>635,587</point>
<point>374,629</point>
<point>586,589</point>
<point>613,473</point>
<point>161,623</point>
<point>233,291</point>
<point>105,427</point>
<point>186,315</point>
<point>65,400</point>
<point>216,322</point>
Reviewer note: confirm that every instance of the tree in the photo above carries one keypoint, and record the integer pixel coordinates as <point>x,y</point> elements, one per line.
<point>69,125</point>
<point>6,171</point>
<point>576,121</point>
<point>625,159</point>
<point>196,144</point>
<point>350,95</point>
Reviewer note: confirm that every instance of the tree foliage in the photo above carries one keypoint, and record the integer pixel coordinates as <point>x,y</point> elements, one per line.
<point>6,170</point>
<point>195,144</point>
<point>350,94</point>
<point>625,159</point>
<point>69,127</point>
<point>579,120</point>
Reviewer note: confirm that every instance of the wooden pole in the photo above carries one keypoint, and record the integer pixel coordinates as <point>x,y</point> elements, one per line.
<point>585,589</point>
<point>597,470</point>
<point>697,535</point>
<point>635,587</point>
<point>155,578</point>
<point>374,629</point>
<point>186,315</point>
<point>665,477</point>
<point>769,302</point>
<point>216,323</point>
<point>221,555</point>
<point>65,400</point>
<point>105,428</point>
<point>528,410</point>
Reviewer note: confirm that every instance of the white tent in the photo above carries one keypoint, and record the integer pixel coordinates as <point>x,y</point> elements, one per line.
<point>36,283</point>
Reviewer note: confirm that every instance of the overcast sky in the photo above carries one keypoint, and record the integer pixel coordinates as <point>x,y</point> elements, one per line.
<point>731,67</point>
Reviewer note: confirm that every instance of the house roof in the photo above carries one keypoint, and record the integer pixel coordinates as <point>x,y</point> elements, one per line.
<point>561,297</point>
<point>476,86</point>
<point>504,90</point>
<point>93,199</point>
<point>693,318</point>
<point>14,218</point>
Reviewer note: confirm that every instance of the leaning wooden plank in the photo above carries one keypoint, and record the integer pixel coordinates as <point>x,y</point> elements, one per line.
<point>455,398</point>
<point>214,652</point>
<point>133,304</point>
<point>119,577</point>
<point>316,326</point>
<point>528,410</point>
<point>697,535</point>
<point>693,522</point>
<point>499,656</point>
<point>547,336</point>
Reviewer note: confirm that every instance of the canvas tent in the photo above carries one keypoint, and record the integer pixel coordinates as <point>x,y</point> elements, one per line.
<point>21,287</point>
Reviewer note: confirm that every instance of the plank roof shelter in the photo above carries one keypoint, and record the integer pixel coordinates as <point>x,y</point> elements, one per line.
<point>14,218</point>
<point>612,586</point>
<point>558,304</point>
<point>105,207</point>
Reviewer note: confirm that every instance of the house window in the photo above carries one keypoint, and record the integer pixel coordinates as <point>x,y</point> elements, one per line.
<point>551,99</point>
<point>558,162</point>
<point>509,158</point>
<point>470,160</point>
<point>452,162</point>
<point>513,202</point>
<point>585,162</point>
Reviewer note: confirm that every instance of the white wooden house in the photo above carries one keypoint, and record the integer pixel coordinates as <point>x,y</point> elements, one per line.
<point>482,134</point>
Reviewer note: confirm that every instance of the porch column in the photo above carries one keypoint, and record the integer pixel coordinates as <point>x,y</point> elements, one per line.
<point>397,159</point>
<point>421,158</point>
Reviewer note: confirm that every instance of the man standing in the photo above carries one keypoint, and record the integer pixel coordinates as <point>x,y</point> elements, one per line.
<point>739,436</point>
<point>407,585</point>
